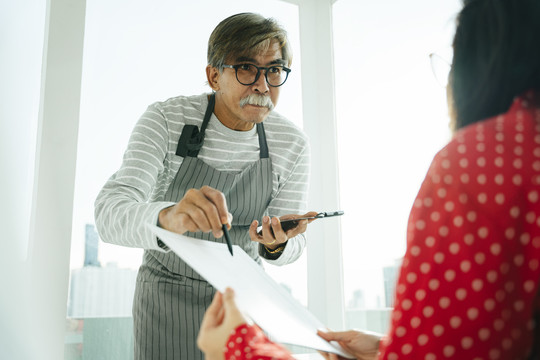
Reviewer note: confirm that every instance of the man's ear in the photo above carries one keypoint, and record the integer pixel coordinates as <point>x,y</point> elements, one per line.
<point>212,75</point>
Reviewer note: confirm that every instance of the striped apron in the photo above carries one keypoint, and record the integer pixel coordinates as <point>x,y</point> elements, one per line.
<point>170,297</point>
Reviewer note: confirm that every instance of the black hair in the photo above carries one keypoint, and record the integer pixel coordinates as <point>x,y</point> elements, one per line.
<point>496,57</point>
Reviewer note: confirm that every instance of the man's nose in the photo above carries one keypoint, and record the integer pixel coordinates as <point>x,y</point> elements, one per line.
<point>261,85</point>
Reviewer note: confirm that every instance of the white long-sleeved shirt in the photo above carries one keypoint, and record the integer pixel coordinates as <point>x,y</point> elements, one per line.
<point>134,195</point>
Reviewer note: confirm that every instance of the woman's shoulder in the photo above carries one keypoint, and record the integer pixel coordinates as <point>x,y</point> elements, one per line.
<point>497,153</point>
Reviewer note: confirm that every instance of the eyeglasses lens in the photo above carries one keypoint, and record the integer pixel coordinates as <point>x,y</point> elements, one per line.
<point>247,74</point>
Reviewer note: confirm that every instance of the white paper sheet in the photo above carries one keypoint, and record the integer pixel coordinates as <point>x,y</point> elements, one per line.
<point>257,294</point>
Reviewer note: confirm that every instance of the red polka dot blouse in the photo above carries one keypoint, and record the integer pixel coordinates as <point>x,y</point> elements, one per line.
<point>468,287</point>
<point>469,283</point>
<point>249,342</point>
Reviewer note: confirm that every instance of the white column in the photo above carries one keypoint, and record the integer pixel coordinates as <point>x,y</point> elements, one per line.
<point>56,150</point>
<point>325,271</point>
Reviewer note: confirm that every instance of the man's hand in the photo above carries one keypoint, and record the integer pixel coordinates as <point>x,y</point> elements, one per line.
<point>272,241</point>
<point>219,321</point>
<point>361,345</point>
<point>199,210</point>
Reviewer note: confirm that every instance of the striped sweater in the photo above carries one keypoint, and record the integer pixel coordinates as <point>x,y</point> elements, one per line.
<point>133,196</point>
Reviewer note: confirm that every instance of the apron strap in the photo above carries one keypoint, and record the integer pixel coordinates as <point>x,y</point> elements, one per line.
<point>263,147</point>
<point>208,113</point>
<point>191,139</point>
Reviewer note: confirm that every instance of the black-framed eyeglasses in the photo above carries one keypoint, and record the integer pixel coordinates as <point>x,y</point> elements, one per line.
<point>248,74</point>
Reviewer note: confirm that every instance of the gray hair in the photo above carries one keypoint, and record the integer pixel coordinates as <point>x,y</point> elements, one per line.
<point>245,34</point>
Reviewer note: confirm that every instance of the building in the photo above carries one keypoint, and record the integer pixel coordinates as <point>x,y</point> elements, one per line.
<point>91,246</point>
<point>97,291</point>
<point>390,274</point>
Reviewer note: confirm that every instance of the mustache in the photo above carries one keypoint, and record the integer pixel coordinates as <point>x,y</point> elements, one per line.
<point>258,100</point>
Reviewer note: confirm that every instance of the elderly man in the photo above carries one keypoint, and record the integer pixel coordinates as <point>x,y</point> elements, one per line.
<point>194,163</point>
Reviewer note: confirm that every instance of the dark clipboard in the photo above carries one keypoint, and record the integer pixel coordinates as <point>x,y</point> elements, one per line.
<point>288,224</point>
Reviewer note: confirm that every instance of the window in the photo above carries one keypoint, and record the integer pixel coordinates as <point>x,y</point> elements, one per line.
<point>391,116</point>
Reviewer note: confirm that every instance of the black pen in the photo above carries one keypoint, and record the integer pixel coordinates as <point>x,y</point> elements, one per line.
<point>227,237</point>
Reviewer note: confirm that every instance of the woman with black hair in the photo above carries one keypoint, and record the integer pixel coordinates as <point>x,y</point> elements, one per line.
<point>469,283</point>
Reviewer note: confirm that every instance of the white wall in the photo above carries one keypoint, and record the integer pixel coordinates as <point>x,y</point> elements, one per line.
<point>40,102</point>
<point>21,46</point>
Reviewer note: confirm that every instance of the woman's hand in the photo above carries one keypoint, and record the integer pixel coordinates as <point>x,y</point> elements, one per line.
<point>219,322</point>
<point>361,345</point>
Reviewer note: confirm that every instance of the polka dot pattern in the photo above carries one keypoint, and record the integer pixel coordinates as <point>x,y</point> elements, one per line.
<point>473,247</point>
<point>248,342</point>
<point>469,279</point>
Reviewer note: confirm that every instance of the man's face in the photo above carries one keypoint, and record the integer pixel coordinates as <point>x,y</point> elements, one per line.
<point>230,93</point>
